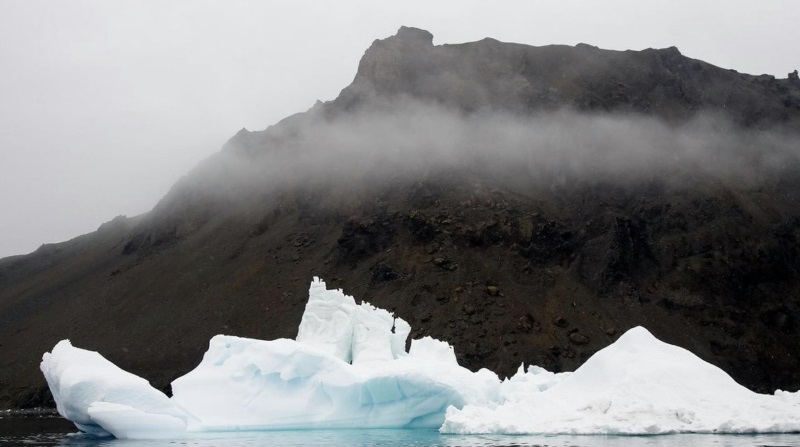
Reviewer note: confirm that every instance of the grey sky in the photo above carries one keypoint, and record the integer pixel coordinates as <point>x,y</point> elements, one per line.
<point>104,105</point>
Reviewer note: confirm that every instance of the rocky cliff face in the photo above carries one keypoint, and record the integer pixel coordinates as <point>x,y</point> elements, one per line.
<point>525,79</point>
<point>514,255</point>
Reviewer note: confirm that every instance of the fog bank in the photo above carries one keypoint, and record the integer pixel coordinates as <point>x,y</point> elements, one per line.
<point>409,139</point>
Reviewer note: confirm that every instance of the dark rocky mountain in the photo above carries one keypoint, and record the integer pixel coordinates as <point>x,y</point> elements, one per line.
<point>671,200</point>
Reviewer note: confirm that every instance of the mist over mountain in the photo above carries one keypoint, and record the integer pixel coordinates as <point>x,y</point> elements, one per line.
<point>527,204</point>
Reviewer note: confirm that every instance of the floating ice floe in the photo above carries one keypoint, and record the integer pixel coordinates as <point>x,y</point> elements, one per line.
<point>348,368</point>
<point>102,399</point>
<point>638,385</point>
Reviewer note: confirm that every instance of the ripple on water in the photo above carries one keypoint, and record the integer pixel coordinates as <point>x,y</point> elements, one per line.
<point>50,430</point>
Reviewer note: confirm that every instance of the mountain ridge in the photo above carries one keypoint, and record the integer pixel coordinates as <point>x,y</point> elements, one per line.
<point>510,261</point>
<point>670,79</point>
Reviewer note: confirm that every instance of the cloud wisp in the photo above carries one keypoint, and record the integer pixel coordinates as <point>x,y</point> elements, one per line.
<point>409,139</point>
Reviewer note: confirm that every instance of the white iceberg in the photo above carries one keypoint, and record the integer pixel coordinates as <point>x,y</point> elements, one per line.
<point>638,385</point>
<point>348,368</point>
<point>102,399</point>
<point>244,384</point>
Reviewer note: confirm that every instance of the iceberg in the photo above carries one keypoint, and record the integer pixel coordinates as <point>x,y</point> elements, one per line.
<point>637,386</point>
<point>349,367</point>
<point>102,399</point>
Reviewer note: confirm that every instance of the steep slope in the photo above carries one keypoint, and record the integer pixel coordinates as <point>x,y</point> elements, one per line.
<point>406,191</point>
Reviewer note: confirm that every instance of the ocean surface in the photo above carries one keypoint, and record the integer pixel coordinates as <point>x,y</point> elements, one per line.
<point>52,430</point>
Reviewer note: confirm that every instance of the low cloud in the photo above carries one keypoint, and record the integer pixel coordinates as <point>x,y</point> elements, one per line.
<point>408,139</point>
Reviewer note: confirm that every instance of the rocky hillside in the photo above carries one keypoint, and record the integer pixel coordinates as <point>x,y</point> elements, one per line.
<point>527,204</point>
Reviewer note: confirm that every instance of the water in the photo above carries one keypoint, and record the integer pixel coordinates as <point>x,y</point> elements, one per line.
<point>51,430</point>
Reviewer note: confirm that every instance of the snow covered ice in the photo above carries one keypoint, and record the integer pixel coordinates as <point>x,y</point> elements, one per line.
<point>638,385</point>
<point>348,368</point>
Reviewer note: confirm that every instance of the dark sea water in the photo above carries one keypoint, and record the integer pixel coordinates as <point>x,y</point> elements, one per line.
<point>51,430</point>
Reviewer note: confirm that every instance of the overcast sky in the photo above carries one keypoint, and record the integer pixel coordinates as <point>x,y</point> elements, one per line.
<point>104,105</point>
